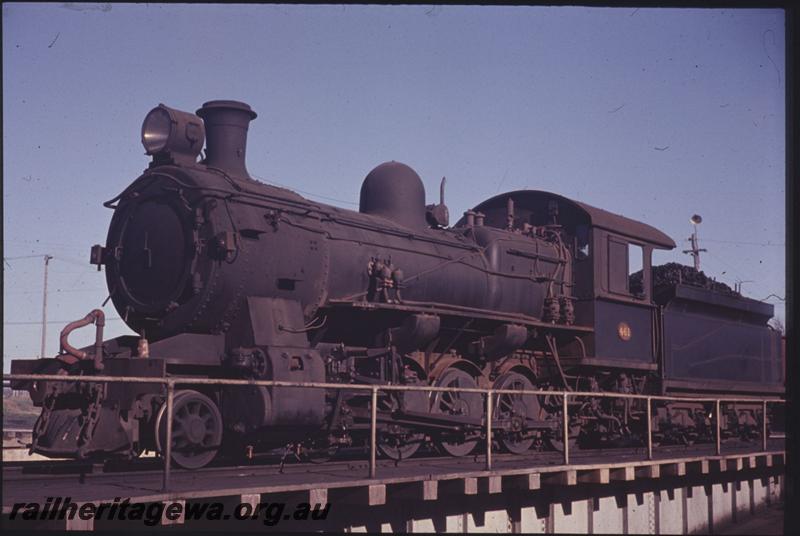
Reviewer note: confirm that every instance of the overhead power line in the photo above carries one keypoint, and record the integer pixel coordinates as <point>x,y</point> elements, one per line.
<point>63,258</point>
<point>39,322</point>
<point>23,257</point>
<point>45,243</point>
<point>776,244</point>
<point>57,291</point>
<point>70,261</point>
<point>305,192</point>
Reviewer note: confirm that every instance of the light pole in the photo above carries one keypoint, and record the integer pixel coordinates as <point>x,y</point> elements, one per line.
<point>695,250</point>
<point>44,304</point>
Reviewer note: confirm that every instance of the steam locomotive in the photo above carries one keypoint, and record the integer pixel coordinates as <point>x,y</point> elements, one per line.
<point>224,276</point>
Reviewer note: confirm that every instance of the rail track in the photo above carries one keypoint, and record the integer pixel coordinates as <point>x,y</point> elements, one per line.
<point>354,460</point>
<point>345,480</point>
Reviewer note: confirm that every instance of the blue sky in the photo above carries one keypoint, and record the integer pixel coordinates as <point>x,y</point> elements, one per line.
<point>655,114</point>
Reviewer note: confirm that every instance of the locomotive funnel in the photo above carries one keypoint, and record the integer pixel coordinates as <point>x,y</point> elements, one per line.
<point>226,123</point>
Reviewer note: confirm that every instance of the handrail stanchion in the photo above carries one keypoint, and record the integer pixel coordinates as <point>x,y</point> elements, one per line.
<point>170,382</point>
<point>649,429</point>
<point>489,430</point>
<point>565,424</point>
<point>719,428</point>
<point>373,432</point>
<point>168,440</point>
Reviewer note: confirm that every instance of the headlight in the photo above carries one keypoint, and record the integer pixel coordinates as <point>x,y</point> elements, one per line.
<point>172,135</point>
<point>156,130</point>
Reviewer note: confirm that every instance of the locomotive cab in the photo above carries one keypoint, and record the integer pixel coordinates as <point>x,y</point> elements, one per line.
<point>606,250</point>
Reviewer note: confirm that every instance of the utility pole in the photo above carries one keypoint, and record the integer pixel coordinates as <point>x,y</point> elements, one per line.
<point>695,250</point>
<point>44,304</point>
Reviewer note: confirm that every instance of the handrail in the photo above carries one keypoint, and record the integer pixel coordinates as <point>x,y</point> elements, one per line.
<point>182,380</point>
<point>171,382</point>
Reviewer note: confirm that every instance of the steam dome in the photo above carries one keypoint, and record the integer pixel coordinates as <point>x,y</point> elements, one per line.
<point>394,191</point>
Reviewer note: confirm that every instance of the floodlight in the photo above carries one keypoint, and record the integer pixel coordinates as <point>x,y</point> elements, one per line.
<point>173,134</point>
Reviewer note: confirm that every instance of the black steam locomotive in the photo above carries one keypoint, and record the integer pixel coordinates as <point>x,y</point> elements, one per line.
<point>224,276</point>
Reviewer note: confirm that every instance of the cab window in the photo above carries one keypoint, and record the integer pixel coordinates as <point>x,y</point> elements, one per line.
<point>617,266</point>
<point>625,264</point>
<point>635,270</point>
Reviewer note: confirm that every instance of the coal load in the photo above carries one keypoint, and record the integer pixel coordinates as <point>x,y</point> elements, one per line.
<point>666,276</point>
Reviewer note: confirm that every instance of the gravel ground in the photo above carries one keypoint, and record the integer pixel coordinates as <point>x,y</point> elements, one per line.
<point>19,412</point>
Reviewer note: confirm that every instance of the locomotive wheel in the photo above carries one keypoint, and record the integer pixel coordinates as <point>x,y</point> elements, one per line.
<point>319,450</point>
<point>555,438</point>
<point>551,409</point>
<point>398,442</point>
<point>196,429</point>
<point>516,408</point>
<point>399,446</point>
<point>462,404</point>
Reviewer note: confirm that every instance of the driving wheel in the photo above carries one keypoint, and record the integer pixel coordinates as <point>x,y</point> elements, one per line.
<point>458,404</point>
<point>515,409</point>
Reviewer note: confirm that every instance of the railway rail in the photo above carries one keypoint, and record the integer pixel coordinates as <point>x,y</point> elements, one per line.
<point>67,469</point>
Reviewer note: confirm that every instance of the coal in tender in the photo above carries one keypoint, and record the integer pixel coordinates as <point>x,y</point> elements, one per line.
<point>669,275</point>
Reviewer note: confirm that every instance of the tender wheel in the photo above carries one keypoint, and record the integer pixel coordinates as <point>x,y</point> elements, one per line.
<point>196,429</point>
<point>461,404</point>
<point>516,408</point>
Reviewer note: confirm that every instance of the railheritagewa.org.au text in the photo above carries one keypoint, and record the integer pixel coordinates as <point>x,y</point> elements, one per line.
<point>150,514</point>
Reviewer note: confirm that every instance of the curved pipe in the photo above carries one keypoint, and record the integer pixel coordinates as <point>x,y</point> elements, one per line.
<point>96,317</point>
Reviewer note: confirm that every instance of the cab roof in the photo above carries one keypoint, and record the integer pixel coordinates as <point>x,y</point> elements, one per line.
<point>536,202</point>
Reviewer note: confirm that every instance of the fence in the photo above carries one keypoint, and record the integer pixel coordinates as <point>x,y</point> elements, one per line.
<point>374,389</point>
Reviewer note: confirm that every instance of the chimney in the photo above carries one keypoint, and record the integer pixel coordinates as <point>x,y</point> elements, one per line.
<point>226,123</point>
